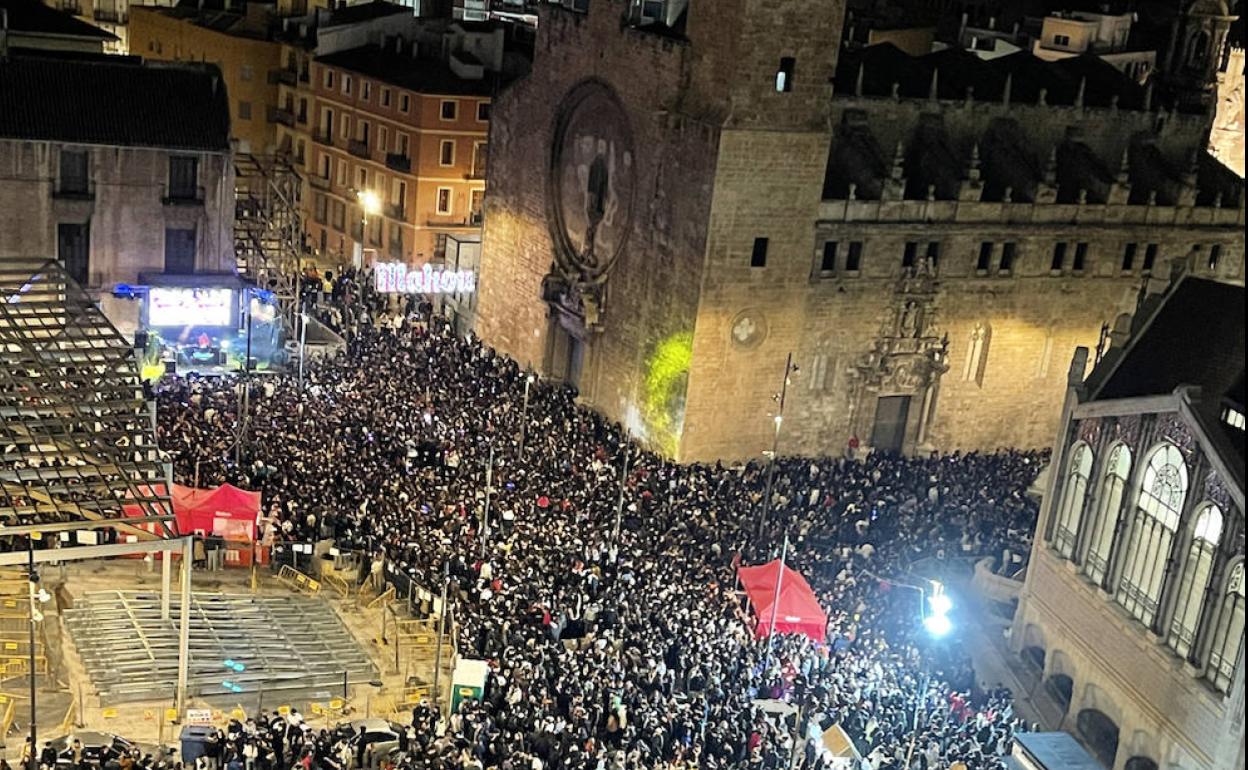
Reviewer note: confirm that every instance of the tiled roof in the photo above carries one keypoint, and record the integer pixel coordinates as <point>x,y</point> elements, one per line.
<point>113,101</point>
<point>424,76</point>
<point>32,16</point>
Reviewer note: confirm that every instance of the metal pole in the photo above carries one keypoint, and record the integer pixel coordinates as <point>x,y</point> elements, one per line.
<point>775,602</point>
<point>303,341</point>
<point>619,505</point>
<point>437,653</point>
<point>485,521</point>
<point>166,583</point>
<point>197,472</point>
<point>246,416</point>
<point>524,414</point>
<point>775,446</point>
<point>395,615</point>
<point>184,626</point>
<point>33,577</point>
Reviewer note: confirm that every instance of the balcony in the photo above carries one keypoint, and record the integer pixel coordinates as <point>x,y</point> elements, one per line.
<point>318,181</point>
<point>286,76</point>
<point>302,117</point>
<point>74,190</point>
<point>476,219</point>
<point>183,196</point>
<point>395,211</point>
<point>282,115</point>
<point>396,162</point>
<point>358,148</point>
<point>323,137</point>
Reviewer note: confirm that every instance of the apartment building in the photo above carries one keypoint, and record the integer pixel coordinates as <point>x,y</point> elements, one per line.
<point>397,160</point>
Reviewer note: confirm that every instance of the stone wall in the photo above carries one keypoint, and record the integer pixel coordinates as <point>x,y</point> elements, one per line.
<point>631,368</point>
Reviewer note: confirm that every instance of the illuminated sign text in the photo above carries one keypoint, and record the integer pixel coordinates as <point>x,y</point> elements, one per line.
<point>395,278</point>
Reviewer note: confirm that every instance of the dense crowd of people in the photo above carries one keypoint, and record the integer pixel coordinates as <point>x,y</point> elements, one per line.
<point>616,641</point>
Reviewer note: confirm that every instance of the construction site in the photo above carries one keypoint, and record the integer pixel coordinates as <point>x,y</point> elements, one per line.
<point>110,620</point>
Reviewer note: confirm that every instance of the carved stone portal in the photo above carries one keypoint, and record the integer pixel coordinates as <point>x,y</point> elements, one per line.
<point>905,362</point>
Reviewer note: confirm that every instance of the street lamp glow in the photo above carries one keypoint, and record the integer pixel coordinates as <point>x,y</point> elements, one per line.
<point>941,604</point>
<point>937,625</point>
<point>369,201</point>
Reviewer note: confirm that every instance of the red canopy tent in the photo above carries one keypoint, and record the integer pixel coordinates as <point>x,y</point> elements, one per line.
<point>798,611</point>
<point>227,511</point>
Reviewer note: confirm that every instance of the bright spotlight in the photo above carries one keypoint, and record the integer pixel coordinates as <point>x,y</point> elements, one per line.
<point>941,604</point>
<point>937,625</point>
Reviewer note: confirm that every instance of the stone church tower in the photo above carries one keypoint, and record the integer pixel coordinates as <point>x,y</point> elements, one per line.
<point>681,199</point>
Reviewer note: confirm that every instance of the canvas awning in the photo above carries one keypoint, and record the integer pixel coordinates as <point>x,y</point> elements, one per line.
<point>798,611</point>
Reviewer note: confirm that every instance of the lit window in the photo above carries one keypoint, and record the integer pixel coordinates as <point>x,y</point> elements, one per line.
<point>1108,509</point>
<point>1194,582</point>
<point>1233,418</point>
<point>1074,495</point>
<point>784,75</point>
<point>1159,504</point>
<point>1227,639</point>
<point>444,201</point>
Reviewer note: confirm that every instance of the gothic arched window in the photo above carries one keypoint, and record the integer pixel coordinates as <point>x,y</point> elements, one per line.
<point>1108,508</point>
<point>977,354</point>
<point>1158,506</point>
<point>1228,636</point>
<point>1074,493</point>
<point>1194,582</point>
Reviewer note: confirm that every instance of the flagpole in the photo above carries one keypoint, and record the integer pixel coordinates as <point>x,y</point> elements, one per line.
<point>775,604</point>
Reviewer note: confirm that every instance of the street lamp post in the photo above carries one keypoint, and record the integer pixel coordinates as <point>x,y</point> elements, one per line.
<point>33,761</point>
<point>524,413</point>
<point>619,504</point>
<point>485,518</point>
<point>370,203</point>
<point>790,369</point>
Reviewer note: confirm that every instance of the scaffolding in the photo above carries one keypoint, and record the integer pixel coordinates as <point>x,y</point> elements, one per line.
<point>268,229</point>
<point>78,438</point>
<point>238,644</point>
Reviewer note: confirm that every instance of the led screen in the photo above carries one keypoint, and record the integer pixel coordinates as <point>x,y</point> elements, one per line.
<point>169,306</point>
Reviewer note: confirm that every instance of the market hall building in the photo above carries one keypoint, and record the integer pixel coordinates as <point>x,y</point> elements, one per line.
<point>930,237</point>
<point>1133,605</point>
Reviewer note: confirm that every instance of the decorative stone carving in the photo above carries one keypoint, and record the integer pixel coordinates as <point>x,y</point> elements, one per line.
<point>909,354</point>
<point>748,329</point>
<point>591,189</point>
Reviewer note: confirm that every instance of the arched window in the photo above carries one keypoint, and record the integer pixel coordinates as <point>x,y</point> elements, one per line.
<point>1108,507</point>
<point>1194,583</point>
<point>1156,517</point>
<point>1074,493</point>
<point>977,354</point>
<point>1228,636</point>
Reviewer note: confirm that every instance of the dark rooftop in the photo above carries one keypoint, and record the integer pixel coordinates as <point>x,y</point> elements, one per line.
<point>113,101</point>
<point>426,76</point>
<point>1194,337</point>
<point>957,70</point>
<point>32,16</point>
<point>353,14</point>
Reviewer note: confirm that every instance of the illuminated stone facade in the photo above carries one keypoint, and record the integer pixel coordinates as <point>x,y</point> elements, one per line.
<point>1226,141</point>
<point>727,209</point>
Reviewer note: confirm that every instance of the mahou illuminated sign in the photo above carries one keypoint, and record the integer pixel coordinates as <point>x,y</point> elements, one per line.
<point>395,278</point>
